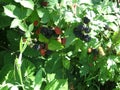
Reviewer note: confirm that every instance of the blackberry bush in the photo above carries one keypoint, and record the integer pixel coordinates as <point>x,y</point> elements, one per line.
<point>59,45</point>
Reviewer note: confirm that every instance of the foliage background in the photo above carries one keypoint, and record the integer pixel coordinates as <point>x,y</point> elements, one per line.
<point>69,66</point>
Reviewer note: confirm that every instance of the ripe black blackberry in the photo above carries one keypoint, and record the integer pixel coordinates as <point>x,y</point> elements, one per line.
<point>42,45</point>
<point>76,32</point>
<point>95,51</point>
<point>86,20</point>
<point>87,30</point>
<point>48,52</point>
<point>49,33</point>
<point>81,36</point>
<point>46,32</point>
<point>36,46</point>
<point>80,27</point>
<point>87,38</point>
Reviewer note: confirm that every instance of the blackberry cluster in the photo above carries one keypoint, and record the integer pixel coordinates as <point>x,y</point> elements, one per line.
<point>82,32</point>
<point>43,49</point>
<point>48,32</point>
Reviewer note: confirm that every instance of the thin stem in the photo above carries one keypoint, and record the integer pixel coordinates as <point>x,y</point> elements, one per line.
<point>3,48</point>
<point>19,69</point>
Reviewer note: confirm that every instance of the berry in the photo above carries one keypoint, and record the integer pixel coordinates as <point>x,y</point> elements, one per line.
<point>37,31</point>
<point>35,23</point>
<point>77,32</point>
<point>89,50</point>
<point>44,3</point>
<point>58,30</point>
<point>48,52</point>
<point>95,51</point>
<point>63,41</point>
<point>42,45</point>
<point>87,38</point>
<point>44,31</point>
<point>24,39</point>
<point>36,46</point>
<point>86,20</point>
<point>81,36</point>
<point>50,33</point>
<point>80,27</point>
<point>54,34</point>
<point>87,30</point>
<point>42,52</point>
<point>101,51</point>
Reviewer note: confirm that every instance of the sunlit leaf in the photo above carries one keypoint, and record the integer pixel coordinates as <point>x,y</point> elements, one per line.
<point>54,45</point>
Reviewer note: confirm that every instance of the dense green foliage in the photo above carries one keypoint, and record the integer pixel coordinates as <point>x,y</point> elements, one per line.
<point>59,45</point>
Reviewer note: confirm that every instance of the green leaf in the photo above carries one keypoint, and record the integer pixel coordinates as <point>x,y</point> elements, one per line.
<point>8,58</point>
<point>52,3</point>
<point>33,17</point>
<point>66,63</point>
<point>55,17</point>
<point>6,1</point>
<point>5,21</point>
<point>27,3</point>
<point>31,52</point>
<point>84,70</point>
<point>5,70</point>
<point>115,37</point>
<point>41,12</point>
<point>14,88</point>
<point>50,76</point>
<point>23,26</point>
<point>55,65</point>
<point>70,37</point>
<point>17,1</point>
<point>14,39</point>
<point>2,54</point>
<point>110,18</point>
<point>69,17</point>
<point>8,10</point>
<point>114,27</point>
<point>15,23</point>
<point>31,27</point>
<point>4,87</point>
<point>28,69</point>
<point>45,18</point>
<point>60,84</point>
<point>42,38</point>
<point>17,12</point>
<point>54,45</point>
<point>86,1</point>
<point>38,80</point>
